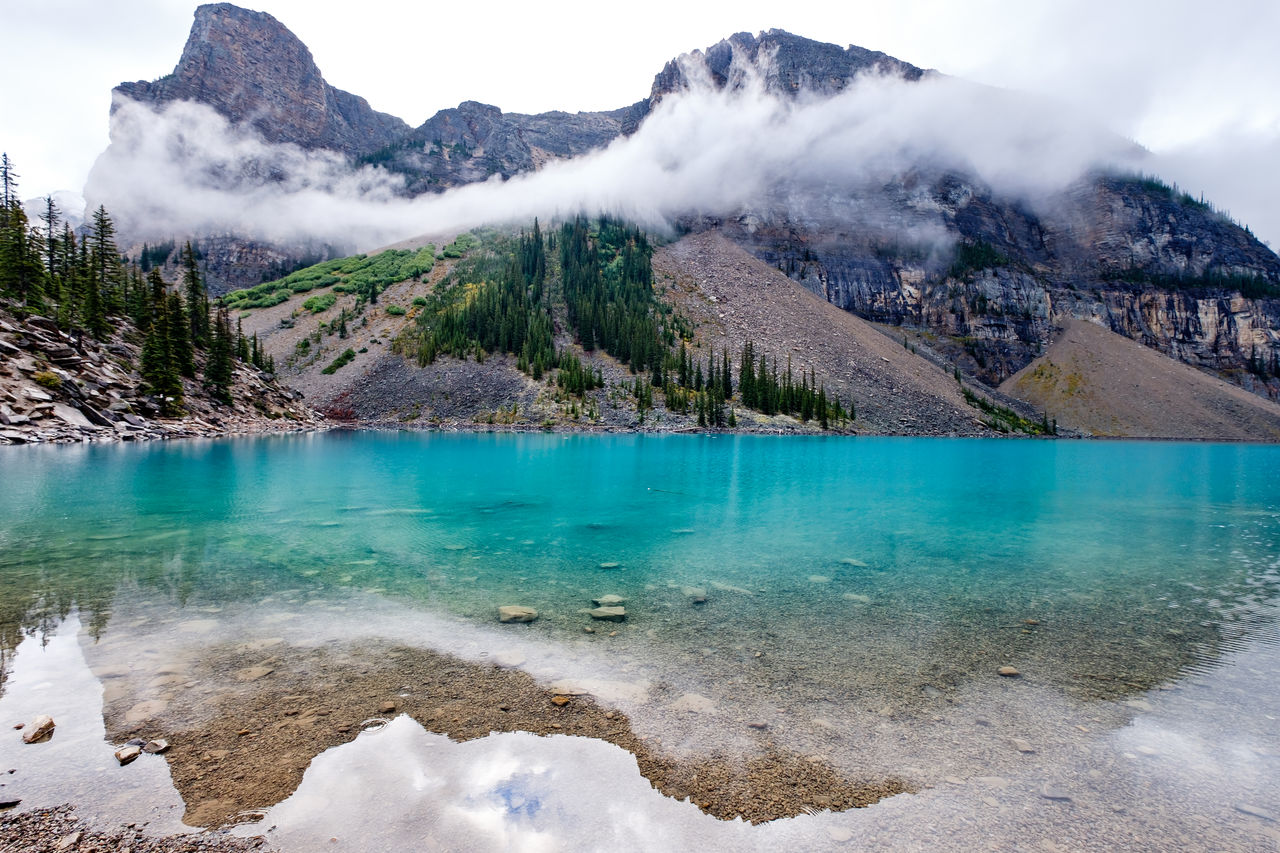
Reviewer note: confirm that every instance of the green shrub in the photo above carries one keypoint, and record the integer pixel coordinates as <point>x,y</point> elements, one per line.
<point>323,302</point>
<point>395,310</point>
<point>340,362</point>
<point>49,380</point>
<point>420,301</point>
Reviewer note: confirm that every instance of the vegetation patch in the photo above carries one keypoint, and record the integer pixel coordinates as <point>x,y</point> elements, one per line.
<point>348,355</point>
<point>323,302</point>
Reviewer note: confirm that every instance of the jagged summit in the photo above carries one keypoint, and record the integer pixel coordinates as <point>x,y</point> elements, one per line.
<point>252,69</point>
<point>789,64</point>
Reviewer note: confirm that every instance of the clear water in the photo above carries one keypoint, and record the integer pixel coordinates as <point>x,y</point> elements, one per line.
<point>868,586</point>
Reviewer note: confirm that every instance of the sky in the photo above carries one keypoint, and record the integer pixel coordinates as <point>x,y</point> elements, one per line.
<point>1195,83</point>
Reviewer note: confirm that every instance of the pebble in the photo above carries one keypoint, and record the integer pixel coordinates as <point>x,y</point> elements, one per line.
<point>155,747</point>
<point>560,701</point>
<point>819,579</point>
<point>1022,745</point>
<point>609,565</point>
<point>1008,672</point>
<point>387,708</point>
<point>1052,792</point>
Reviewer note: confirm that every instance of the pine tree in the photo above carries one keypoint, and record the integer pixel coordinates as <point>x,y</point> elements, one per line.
<point>176,327</point>
<point>218,368</point>
<point>196,298</point>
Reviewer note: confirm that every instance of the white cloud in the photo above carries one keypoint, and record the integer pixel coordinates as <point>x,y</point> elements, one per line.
<point>185,169</point>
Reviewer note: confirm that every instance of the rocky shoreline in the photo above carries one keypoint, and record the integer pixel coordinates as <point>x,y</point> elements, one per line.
<point>60,388</point>
<point>57,829</point>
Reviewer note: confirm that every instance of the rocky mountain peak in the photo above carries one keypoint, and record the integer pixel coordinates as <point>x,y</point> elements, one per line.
<point>252,69</point>
<point>788,64</point>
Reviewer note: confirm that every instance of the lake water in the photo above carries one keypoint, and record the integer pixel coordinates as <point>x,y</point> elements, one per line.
<point>857,596</point>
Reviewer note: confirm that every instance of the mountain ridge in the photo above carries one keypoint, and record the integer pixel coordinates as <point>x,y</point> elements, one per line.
<point>1126,251</point>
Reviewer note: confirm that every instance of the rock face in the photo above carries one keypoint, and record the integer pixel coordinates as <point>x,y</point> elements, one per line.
<point>250,68</point>
<point>56,387</point>
<point>789,65</point>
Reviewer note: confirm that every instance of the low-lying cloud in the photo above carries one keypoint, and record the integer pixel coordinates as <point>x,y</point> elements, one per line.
<point>186,169</point>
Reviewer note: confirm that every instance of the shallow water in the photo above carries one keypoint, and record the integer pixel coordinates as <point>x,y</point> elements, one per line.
<point>860,594</point>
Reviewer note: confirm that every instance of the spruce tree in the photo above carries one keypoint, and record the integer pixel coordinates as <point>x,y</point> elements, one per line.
<point>218,368</point>
<point>196,297</point>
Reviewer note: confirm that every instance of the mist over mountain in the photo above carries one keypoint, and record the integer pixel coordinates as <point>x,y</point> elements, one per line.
<point>900,194</point>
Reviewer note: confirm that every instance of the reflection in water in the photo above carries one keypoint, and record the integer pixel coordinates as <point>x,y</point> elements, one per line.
<point>854,597</point>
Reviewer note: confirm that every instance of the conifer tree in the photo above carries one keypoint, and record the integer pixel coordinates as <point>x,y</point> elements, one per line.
<point>196,298</point>
<point>218,368</point>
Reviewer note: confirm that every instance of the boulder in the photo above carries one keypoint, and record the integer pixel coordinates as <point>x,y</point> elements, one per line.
<point>609,614</point>
<point>516,613</point>
<point>38,728</point>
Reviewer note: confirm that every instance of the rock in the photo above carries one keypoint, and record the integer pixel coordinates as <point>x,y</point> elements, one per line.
<point>608,601</point>
<point>40,727</point>
<point>155,747</point>
<point>695,594</point>
<point>125,754</point>
<point>1052,792</point>
<point>609,614</point>
<point>609,565</point>
<point>137,741</point>
<point>560,701</point>
<point>70,416</point>
<point>1008,672</point>
<point>1022,745</point>
<point>758,725</point>
<point>1255,811</point>
<point>516,613</point>
<point>31,392</point>
<point>839,834</point>
<point>69,841</point>
<point>9,802</point>
<point>694,703</point>
<point>253,673</point>
<point>387,708</point>
<point>819,579</point>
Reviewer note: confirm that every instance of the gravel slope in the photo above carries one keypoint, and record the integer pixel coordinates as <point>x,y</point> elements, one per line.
<point>1104,384</point>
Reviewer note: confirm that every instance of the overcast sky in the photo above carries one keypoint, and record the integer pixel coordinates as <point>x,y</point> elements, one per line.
<point>1197,83</point>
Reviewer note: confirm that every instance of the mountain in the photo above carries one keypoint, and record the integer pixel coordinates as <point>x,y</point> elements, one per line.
<point>990,271</point>
<point>252,69</point>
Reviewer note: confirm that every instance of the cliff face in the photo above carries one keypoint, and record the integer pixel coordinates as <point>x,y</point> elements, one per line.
<point>475,141</point>
<point>250,68</point>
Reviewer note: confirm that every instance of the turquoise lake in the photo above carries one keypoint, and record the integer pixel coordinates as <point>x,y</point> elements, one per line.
<point>858,595</point>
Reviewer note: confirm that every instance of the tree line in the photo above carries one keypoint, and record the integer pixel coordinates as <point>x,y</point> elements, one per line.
<point>80,281</point>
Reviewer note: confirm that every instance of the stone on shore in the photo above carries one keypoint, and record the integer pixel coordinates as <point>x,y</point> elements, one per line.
<point>38,728</point>
<point>609,614</point>
<point>155,747</point>
<point>516,613</point>
<point>127,753</point>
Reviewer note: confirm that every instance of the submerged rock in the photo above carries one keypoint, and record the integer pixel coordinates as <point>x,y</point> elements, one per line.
<point>38,728</point>
<point>516,613</point>
<point>609,614</point>
<point>1008,672</point>
<point>608,601</point>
